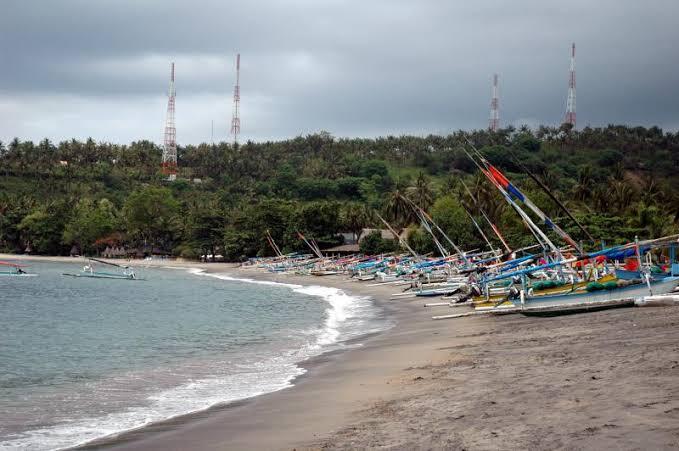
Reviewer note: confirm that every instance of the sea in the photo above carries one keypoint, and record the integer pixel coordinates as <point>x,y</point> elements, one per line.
<point>83,359</point>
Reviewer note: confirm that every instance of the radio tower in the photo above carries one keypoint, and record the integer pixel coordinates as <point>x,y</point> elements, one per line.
<point>570,103</point>
<point>169,165</point>
<point>494,122</point>
<point>235,120</point>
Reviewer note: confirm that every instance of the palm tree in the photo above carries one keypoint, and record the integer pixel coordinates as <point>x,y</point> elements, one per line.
<point>650,190</point>
<point>398,210</point>
<point>620,195</point>
<point>451,185</point>
<point>598,199</point>
<point>489,198</point>
<point>583,189</point>
<point>651,219</point>
<point>355,217</point>
<point>673,207</point>
<point>421,193</point>
<point>618,171</point>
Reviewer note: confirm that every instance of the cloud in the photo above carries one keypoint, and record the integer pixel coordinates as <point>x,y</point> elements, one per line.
<point>76,68</point>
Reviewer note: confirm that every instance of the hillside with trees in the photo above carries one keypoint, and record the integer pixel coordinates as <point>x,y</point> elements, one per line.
<point>618,181</point>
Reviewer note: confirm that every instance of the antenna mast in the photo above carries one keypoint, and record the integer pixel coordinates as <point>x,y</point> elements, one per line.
<point>235,120</point>
<point>169,164</point>
<point>494,122</point>
<point>570,103</point>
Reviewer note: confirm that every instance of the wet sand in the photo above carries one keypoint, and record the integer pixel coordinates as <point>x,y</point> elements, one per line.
<point>599,380</point>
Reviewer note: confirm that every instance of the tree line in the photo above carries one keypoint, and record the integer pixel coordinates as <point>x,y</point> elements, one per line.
<point>619,181</point>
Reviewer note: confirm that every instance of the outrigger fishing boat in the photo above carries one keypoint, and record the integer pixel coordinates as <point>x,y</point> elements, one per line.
<point>551,279</point>
<point>89,271</point>
<point>605,292</point>
<point>14,270</point>
<point>621,294</point>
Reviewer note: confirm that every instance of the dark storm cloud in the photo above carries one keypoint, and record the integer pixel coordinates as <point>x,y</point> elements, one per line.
<point>100,68</point>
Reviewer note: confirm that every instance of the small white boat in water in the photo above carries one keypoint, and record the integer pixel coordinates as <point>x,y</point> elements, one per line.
<point>88,271</point>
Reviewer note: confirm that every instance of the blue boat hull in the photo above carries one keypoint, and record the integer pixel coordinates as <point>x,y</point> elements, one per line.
<point>624,274</point>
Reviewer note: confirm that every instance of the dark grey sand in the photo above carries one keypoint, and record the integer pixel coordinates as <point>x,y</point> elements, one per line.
<point>601,380</point>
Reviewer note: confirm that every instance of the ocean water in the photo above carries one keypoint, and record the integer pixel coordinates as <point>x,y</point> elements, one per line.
<point>82,359</point>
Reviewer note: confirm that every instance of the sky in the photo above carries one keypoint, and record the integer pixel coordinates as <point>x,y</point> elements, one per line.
<point>354,68</point>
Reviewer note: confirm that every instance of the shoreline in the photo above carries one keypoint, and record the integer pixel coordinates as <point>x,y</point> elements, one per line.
<point>153,263</point>
<point>597,380</point>
<point>163,434</point>
<point>139,437</point>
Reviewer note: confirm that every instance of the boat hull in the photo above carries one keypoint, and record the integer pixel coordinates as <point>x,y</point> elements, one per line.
<point>324,273</point>
<point>624,274</point>
<point>481,302</point>
<point>100,276</point>
<point>591,299</point>
<point>581,308</point>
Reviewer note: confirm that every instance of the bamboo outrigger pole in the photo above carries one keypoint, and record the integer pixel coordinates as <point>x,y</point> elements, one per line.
<point>430,219</point>
<point>313,249</point>
<point>526,219</point>
<point>483,213</point>
<point>273,244</point>
<point>398,237</point>
<point>107,263</point>
<point>423,220</point>
<point>478,228</point>
<point>551,195</point>
<point>500,180</point>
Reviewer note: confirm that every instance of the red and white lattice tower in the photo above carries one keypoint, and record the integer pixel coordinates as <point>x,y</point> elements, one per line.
<point>169,164</point>
<point>494,122</point>
<point>570,102</point>
<point>235,119</point>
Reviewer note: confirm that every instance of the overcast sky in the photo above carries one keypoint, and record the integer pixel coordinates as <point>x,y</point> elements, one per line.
<point>100,68</point>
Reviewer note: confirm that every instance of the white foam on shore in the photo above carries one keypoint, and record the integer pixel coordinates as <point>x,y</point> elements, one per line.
<point>346,317</point>
<point>251,380</point>
<point>341,308</point>
<point>201,272</point>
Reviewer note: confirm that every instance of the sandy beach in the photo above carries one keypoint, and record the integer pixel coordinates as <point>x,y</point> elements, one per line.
<point>600,380</point>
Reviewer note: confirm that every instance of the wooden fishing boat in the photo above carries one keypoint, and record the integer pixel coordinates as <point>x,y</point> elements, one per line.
<point>89,272</point>
<point>442,291</point>
<point>602,298</point>
<point>492,301</point>
<point>587,300</point>
<point>593,294</point>
<point>580,302</point>
<point>9,269</point>
<point>323,272</point>
<point>101,275</point>
<point>16,274</point>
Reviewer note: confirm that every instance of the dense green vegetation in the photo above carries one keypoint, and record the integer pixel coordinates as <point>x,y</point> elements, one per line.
<point>619,181</point>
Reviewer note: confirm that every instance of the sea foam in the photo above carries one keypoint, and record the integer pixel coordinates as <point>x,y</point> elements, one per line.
<point>346,317</point>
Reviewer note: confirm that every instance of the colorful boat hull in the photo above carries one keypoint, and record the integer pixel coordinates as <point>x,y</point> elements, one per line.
<point>631,292</point>
<point>480,301</point>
